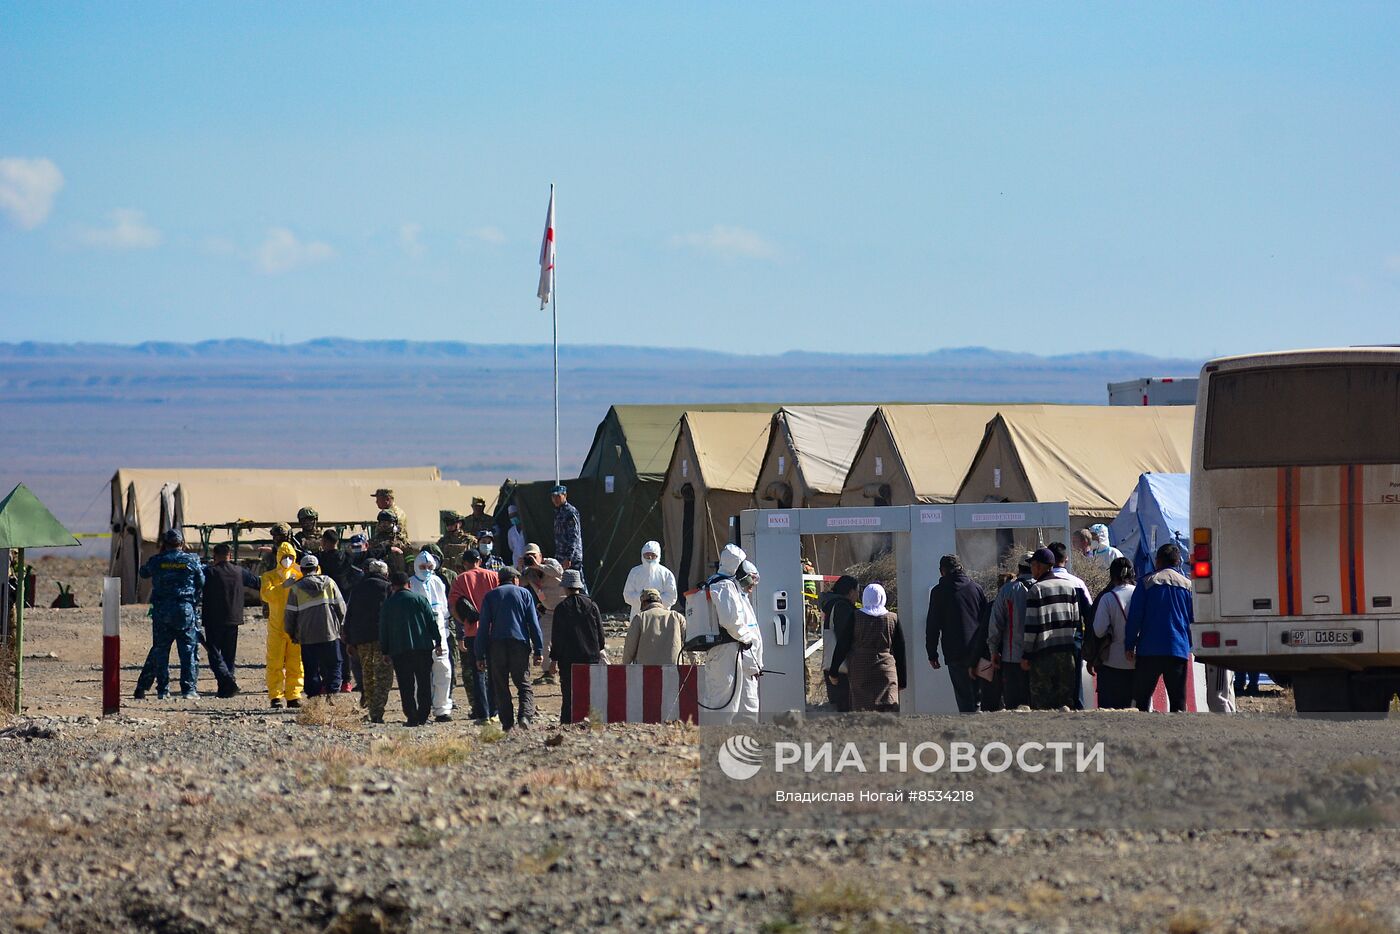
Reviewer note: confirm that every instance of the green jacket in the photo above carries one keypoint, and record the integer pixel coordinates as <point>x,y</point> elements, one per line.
<point>407,624</point>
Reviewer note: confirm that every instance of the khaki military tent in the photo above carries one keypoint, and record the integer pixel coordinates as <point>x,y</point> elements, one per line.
<point>810,450</point>
<point>147,502</point>
<point>916,454</point>
<point>1089,456</point>
<point>617,493</point>
<point>710,479</point>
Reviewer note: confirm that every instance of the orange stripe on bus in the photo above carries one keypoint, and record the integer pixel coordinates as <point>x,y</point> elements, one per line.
<point>1345,539</point>
<point>1281,522</point>
<point>1295,524</point>
<point>1356,511</point>
<point>1290,577</point>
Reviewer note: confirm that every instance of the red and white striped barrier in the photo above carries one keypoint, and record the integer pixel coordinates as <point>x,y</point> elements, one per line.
<point>636,693</point>
<point>1195,690</point>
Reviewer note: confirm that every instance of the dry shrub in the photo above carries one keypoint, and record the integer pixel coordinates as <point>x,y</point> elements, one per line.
<point>537,864</point>
<point>336,763</point>
<point>884,570</point>
<point>332,712</point>
<point>1188,921</point>
<point>1360,918</point>
<point>406,753</point>
<point>840,901</point>
<point>7,680</point>
<point>578,778</point>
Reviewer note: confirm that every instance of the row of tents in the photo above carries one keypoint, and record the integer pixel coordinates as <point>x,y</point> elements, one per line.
<point>681,474</point>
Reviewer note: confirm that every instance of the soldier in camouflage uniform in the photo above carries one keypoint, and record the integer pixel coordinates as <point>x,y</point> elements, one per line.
<point>478,521</point>
<point>389,544</point>
<point>384,499</point>
<point>177,581</point>
<point>281,532</point>
<point>307,539</point>
<point>455,539</point>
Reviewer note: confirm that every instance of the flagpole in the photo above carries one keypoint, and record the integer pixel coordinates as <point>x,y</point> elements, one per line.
<point>554,308</point>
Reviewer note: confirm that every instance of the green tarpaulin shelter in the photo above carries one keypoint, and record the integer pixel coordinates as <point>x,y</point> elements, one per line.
<point>27,523</point>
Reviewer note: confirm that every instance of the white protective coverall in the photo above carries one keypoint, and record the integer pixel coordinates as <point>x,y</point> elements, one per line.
<point>649,575</point>
<point>430,587</point>
<point>744,657</point>
<point>1100,550</point>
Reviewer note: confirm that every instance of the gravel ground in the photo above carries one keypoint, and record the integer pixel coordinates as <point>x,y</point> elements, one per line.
<point>223,815</point>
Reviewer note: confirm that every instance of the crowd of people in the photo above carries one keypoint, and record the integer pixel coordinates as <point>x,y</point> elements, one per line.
<point>1030,643</point>
<point>360,615</point>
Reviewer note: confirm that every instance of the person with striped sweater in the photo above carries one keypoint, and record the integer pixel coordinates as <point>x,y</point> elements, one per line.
<point>1054,617</point>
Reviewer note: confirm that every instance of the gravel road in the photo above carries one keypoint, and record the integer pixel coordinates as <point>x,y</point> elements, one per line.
<point>223,815</point>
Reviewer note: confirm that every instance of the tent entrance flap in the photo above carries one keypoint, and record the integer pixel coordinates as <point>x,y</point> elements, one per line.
<point>921,534</point>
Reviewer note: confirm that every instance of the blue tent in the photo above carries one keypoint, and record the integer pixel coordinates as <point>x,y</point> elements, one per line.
<point>1159,511</point>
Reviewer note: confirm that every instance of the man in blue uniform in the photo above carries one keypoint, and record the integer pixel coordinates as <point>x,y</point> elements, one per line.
<point>177,580</point>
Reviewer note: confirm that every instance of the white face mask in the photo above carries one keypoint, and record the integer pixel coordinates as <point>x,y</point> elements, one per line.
<point>286,562</point>
<point>649,559</point>
<point>484,548</point>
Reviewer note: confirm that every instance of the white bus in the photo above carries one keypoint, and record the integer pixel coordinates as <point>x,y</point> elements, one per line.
<point>1295,514</point>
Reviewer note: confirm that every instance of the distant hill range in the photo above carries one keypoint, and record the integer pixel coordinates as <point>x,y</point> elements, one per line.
<point>480,411</point>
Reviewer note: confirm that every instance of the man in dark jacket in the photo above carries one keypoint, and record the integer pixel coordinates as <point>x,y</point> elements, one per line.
<point>362,638</point>
<point>314,618</point>
<point>409,634</point>
<point>578,638</point>
<point>508,631</point>
<point>838,609</point>
<point>222,609</point>
<point>955,609</point>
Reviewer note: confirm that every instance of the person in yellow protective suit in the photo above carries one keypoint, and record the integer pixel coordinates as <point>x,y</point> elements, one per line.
<point>284,671</point>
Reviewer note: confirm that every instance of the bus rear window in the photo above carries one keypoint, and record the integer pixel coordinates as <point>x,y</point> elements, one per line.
<point>1303,416</point>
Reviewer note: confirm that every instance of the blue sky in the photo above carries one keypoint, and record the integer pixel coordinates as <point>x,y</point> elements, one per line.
<point>1169,178</point>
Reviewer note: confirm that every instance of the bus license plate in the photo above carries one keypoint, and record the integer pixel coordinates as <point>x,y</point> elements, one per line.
<point>1306,637</point>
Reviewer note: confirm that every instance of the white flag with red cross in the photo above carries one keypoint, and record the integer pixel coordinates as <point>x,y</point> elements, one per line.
<point>547,255</point>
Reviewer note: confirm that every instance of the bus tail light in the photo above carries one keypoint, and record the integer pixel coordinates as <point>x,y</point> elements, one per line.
<point>1201,557</point>
<point>1210,640</point>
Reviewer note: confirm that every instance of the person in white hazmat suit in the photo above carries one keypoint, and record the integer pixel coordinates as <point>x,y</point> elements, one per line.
<point>742,658</point>
<point>649,575</point>
<point>430,587</point>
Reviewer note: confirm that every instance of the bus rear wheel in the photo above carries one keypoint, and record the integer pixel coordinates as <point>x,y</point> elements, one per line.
<point>1343,692</point>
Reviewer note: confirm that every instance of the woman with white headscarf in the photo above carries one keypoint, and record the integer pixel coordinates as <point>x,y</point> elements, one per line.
<point>876,660</point>
<point>429,586</point>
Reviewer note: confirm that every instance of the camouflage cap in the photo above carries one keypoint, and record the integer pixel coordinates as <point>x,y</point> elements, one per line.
<point>387,515</point>
<point>478,501</point>
<point>383,491</point>
<point>306,512</point>
<point>651,595</point>
<point>452,515</point>
<point>435,551</point>
<point>280,528</point>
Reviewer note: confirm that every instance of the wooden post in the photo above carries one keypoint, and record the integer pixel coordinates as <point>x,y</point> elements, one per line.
<point>19,633</point>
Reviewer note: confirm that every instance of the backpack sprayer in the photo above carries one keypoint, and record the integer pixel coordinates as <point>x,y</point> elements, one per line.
<point>702,628</point>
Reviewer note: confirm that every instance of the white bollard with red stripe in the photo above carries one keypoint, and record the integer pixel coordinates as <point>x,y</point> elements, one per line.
<point>111,646</point>
<point>1195,691</point>
<point>636,693</point>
